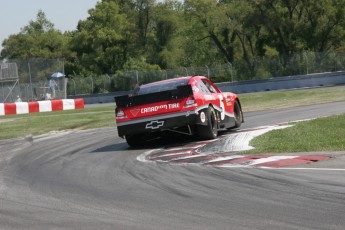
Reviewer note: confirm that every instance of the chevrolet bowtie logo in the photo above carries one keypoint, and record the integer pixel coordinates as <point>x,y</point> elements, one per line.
<point>154,124</point>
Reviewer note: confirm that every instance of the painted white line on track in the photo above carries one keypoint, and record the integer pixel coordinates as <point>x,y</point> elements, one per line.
<point>225,158</point>
<point>311,169</point>
<point>173,154</point>
<point>235,166</point>
<point>142,157</point>
<point>187,147</point>
<point>183,158</point>
<point>270,159</point>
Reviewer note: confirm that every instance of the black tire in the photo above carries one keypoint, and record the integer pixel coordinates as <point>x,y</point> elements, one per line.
<point>134,140</point>
<point>209,131</point>
<point>238,115</point>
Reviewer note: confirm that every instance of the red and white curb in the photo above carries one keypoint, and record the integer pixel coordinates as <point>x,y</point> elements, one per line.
<point>40,106</point>
<point>266,161</point>
<point>209,153</point>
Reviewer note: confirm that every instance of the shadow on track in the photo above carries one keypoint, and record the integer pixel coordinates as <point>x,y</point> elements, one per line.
<point>118,147</point>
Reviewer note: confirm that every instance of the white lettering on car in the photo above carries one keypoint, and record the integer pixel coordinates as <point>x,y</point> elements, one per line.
<point>159,107</point>
<point>195,89</point>
<point>174,105</point>
<point>209,97</point>
<point>222,114</point>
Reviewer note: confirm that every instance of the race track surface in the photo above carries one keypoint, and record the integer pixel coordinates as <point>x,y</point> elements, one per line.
<point>93,180</point>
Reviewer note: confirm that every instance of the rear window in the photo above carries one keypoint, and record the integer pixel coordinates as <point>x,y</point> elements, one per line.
<point>159,87</point>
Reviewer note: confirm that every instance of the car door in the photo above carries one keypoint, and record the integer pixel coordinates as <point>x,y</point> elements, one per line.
<point>220,98</point>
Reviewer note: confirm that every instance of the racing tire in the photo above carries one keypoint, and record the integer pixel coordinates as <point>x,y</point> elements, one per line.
<point>134,140</point>
<point>238,115</point>
<point>209,131</point>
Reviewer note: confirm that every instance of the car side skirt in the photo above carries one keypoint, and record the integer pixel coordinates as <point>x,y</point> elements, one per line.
<point>170,121</point>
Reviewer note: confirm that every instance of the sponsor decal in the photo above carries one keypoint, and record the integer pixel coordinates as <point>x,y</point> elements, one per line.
<point>134,112</point>
<point>221,103</point>
<point>229,100</point>
<point>195,89</point>
<point>154,124</point>
<point>174,106</point>
<point>120,115</point>
<point>202,117</point>
<point>210,97</point>
<point>159,107</point>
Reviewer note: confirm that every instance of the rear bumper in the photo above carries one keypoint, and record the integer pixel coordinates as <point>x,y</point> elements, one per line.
<point>157,123</point>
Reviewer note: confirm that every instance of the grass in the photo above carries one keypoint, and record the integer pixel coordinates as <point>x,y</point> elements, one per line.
<point>290,98</point>
<point>39,123</point>
<point>324,134</point>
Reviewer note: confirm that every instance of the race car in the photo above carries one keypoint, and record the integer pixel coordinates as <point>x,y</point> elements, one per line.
<point>190,105</point>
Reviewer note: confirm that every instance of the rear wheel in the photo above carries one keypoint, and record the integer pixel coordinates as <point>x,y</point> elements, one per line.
<point>209,131</point>
<point>134,140</point>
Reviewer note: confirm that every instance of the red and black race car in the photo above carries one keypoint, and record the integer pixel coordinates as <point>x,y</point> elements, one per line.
<point>186,105</point>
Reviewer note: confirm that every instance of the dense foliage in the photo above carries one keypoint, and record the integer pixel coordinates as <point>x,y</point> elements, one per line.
<point>122,35</point>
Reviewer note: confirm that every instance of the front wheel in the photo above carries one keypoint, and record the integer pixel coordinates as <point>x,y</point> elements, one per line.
<point>210,130</point>
<point>238,115</point>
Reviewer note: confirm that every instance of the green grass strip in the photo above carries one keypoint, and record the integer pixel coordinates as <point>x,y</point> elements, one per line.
<point>290,98</point>
<point>322,134</point>
<point>40,123</point>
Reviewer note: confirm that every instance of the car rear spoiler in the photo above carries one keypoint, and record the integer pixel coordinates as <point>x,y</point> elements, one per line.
<point>128,101</point>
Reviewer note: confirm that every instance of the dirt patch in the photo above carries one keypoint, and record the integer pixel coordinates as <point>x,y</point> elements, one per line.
<point>7,119</point>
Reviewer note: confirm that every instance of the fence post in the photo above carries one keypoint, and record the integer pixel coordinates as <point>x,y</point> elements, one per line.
<point>137,75</point>
<point>232,77</point>
<point>186,71</point>
<point>91,85</point>
<point>32,96</point>
<point>75,90</point>
<point>26,91</point>
<point>208,72</point>
<point>109,82</point>
<point>306,59</point>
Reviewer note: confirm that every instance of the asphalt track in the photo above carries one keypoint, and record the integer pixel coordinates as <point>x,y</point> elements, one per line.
<point>92,180</point>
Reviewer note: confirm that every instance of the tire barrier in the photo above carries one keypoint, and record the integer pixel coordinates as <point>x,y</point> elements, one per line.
<point>40,106</point>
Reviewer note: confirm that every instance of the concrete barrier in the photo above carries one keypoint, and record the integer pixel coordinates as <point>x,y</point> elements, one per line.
<point>40,106</point>
<point>277,83</point>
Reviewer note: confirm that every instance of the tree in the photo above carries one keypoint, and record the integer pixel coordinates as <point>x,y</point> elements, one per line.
<point>41,25</point>
<point>231,26</point>
<point>210,14</point>
<point>295,26</point>
<point>103,41</point>
<point>324,28</point>
<point>38,39</point>
<point>166,47</point>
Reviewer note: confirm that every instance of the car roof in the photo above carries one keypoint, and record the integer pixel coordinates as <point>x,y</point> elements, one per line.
<point>172,80</point>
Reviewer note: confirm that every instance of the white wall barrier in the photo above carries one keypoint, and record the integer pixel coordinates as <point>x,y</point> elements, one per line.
<point>40,106</point>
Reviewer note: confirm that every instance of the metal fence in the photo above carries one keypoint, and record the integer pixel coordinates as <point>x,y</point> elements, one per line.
<point>33,75</point>
<point>8,71</point>
<point>29,79</point>
<point>263,68</point>
<point>8,77</point>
